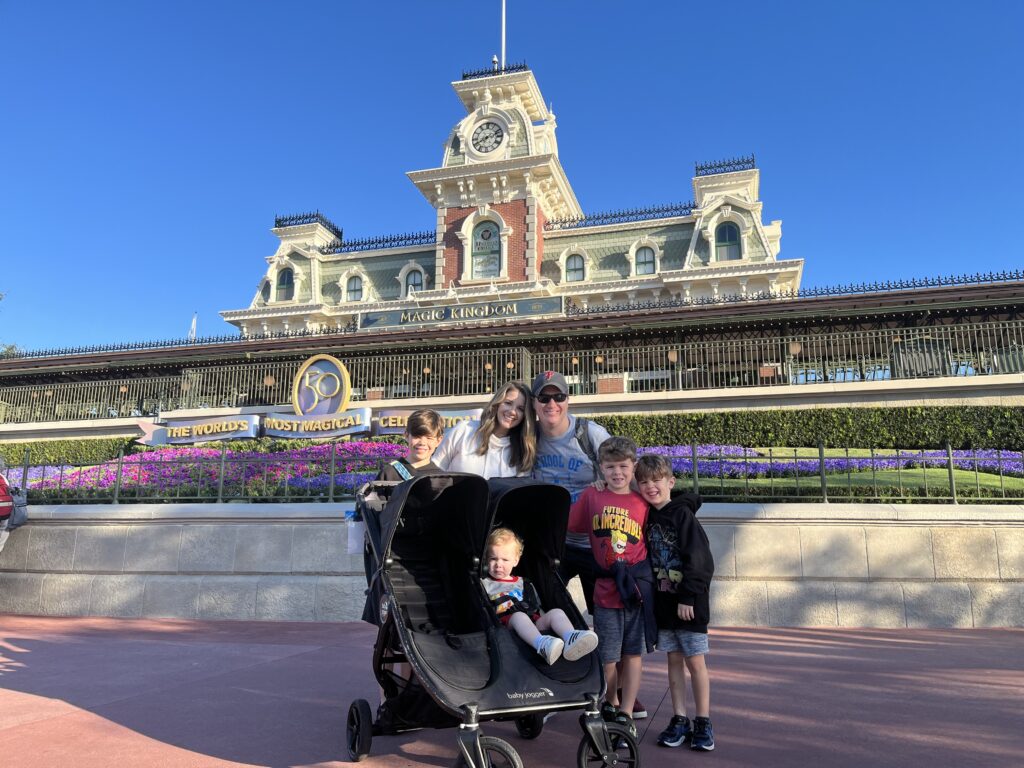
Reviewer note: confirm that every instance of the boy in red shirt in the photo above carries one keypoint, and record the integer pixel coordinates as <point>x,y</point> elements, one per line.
<point>623,593</point>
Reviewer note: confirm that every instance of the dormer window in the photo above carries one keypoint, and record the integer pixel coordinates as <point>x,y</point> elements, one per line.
<point>285,285</point>
<point>354,289</point>
<point>727,242</point>
<point>645,263</point>
<point>574,269</point>
<point>265,291</point>
<point>413,282</point>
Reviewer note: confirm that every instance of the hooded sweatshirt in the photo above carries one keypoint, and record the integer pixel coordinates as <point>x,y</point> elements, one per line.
<point>681,559</point>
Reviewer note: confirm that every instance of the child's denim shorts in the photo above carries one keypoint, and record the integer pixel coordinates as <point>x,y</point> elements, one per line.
<point>682,641</point>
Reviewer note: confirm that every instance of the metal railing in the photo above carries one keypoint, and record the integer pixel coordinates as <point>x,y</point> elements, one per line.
<point>827,291</point>
<point>725,166</point>
<point>313,217</point>
<point>735,473</point>
<point>927,352</point>
<point>332,472</point>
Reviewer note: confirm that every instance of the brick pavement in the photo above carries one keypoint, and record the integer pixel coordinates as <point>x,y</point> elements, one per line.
<point>97,693</point>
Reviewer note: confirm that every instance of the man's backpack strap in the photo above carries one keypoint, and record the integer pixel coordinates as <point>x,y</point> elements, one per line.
<point>582,435</point>
<point>401,469</point>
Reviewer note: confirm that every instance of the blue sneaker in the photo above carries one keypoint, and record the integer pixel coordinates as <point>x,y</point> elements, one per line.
<point>703,735</point>
<point>677,733</point>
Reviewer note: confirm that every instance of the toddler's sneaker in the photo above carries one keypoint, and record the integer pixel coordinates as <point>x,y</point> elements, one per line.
<point>703,736</point>
<point>677,733</point>
<point>550,648</point>
<point>579,644</point>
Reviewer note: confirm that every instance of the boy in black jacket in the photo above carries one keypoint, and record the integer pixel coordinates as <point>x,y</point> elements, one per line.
<point>683,567</point>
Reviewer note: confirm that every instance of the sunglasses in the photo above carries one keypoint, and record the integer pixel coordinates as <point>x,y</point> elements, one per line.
<point>558,397</point>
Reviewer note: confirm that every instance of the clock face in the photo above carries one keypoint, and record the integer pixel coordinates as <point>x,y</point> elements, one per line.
<point>487,137</point>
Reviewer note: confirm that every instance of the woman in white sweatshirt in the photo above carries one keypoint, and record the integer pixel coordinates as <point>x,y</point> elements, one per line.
<point>502,443</point>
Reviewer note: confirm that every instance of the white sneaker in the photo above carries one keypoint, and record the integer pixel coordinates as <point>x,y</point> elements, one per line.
<point>550,648</point>
<point>579,644</point>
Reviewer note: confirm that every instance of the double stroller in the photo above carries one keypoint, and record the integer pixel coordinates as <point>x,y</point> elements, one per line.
<point>425,559</point>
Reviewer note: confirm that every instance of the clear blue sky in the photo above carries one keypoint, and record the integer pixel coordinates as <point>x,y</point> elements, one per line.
<point>145,147</point>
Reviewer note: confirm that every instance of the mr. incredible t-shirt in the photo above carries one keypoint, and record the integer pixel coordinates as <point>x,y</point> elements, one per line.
<point>615,524</point>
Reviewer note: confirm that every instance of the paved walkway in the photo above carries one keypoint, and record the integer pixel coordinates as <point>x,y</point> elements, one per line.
<point>98,693</point>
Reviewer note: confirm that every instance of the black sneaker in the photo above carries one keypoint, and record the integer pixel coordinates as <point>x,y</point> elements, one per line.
<point>627,722</point>
<point>703,736</point>
<point>677,733</point>
<point>608,712</point>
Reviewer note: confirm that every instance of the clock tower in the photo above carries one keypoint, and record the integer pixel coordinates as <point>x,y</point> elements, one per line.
<point>499,181</point>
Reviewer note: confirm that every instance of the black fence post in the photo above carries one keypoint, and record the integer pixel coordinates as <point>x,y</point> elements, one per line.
<point>952,476</point>
<point>24,471</point>
<point>821,471</point>
<point>220,478</point>
<point>117,478</point>
<point>696,477</point>
<point>330,490</point>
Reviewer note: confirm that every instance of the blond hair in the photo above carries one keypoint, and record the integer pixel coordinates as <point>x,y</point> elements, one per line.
<point>500,536</point>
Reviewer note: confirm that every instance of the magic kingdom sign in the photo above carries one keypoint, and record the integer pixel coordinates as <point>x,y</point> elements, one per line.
<point>455,313</point>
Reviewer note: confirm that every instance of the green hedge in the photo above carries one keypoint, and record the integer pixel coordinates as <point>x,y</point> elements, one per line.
<point>918,427</point>
<point>96,450</point>
<point>55,452</point>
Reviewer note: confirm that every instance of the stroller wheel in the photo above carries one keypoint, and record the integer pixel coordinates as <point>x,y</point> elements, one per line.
<point>530,726</point>
<point>626,751</point>
<point>359,731</point>
<point>499,754</point>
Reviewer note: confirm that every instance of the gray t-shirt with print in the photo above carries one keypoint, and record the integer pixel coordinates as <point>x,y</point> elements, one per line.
<point>562,461</point>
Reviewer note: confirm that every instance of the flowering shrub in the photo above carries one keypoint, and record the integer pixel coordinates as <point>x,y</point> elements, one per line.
<point>305,471</point>
<point>188,472</point>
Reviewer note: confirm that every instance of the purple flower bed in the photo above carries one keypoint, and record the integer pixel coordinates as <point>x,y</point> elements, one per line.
<point>733,461</point>
<point>248,473</point>
<point>305,471</point>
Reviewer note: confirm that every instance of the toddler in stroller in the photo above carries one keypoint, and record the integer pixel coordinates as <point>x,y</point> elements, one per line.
<point>517,604</point>
<point>429,543</point>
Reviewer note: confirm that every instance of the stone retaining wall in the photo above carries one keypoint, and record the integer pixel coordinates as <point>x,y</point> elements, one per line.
<point>848,565</point>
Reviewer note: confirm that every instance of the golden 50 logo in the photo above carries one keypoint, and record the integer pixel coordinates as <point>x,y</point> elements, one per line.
<point>321,387</point>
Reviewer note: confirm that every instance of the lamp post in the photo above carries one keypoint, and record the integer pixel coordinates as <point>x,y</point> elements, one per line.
<point>792,350</point>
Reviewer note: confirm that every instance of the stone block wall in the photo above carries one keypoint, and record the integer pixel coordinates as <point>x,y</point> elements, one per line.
<point>839,565</point>
<point>859,565</point>
<point>227,561</point>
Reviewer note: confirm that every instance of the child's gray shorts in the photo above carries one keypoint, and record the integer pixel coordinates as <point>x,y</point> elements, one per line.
<point>682,641</point>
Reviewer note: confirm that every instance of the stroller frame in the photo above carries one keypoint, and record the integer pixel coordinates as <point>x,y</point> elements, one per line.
<point>424,562</point>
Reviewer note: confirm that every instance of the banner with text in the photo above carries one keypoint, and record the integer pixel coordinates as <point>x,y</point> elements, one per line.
<point>186,431</point>
<point>351,422</point>
<point>454,313</point>
<point>391,421</point>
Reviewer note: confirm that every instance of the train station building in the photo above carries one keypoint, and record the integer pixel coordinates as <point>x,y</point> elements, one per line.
<point>683,306</point>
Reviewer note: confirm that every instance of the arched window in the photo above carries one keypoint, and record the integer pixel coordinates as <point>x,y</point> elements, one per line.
<point>285,285</point>
<point>727,242</point>
<point>486,258</point>
<point>574,268</point>
<point>645,261</point>
<point>413,281</point>
<point>354,289</point>
<point>265,291</point>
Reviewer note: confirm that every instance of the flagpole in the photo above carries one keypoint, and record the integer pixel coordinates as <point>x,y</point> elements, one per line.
<point>502,35</point>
